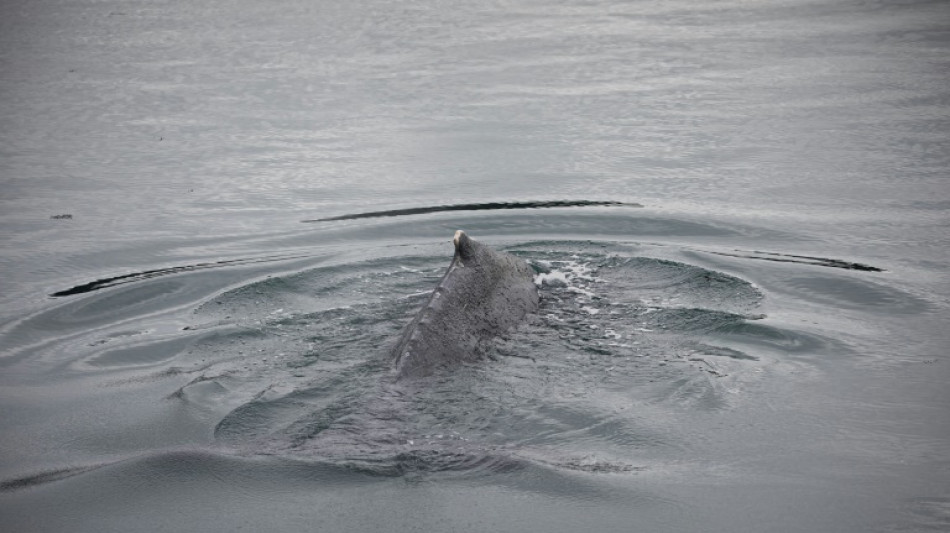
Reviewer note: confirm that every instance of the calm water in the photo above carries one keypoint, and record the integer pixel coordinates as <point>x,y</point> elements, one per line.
<point>755,341</point>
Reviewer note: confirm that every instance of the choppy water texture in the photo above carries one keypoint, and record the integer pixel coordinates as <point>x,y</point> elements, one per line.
<point>217,219</point>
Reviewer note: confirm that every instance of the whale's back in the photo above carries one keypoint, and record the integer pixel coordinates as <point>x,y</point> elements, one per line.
<point>483,294</point>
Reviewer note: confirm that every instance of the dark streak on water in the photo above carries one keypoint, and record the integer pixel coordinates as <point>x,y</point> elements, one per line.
<point>804,259</point>
<point>138,276</point>
<point>44,477</point>
<point>491,206</point>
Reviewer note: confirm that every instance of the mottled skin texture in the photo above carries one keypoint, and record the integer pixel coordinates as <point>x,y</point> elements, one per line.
<point>483,294</point>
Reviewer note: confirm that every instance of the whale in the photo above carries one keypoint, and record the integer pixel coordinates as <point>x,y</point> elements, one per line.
<point>483,294</point>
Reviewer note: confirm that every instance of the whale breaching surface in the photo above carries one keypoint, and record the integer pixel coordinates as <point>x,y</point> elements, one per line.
<point>483,294</point>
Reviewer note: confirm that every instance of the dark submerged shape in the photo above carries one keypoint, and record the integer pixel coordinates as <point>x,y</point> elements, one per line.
<point>483,294</point>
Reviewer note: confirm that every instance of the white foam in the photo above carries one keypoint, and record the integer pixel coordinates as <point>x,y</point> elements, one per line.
<point>573,275</point>
<point>554,279</point>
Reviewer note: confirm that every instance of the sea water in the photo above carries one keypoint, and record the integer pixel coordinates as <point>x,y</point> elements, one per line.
<point>737,212</point>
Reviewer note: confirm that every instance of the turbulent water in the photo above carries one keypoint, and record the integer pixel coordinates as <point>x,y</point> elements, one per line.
<point>217,218</point>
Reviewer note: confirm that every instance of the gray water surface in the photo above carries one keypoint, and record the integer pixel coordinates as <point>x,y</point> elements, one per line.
<point>217,217</point>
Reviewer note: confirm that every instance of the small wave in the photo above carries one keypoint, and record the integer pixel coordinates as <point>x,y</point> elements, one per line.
<point>475,207</point>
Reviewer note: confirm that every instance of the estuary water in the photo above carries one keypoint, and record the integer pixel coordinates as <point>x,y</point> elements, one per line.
<point>217,217</point>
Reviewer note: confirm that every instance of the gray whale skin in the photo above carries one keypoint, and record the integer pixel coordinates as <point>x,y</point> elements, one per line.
<point>483,294</point>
